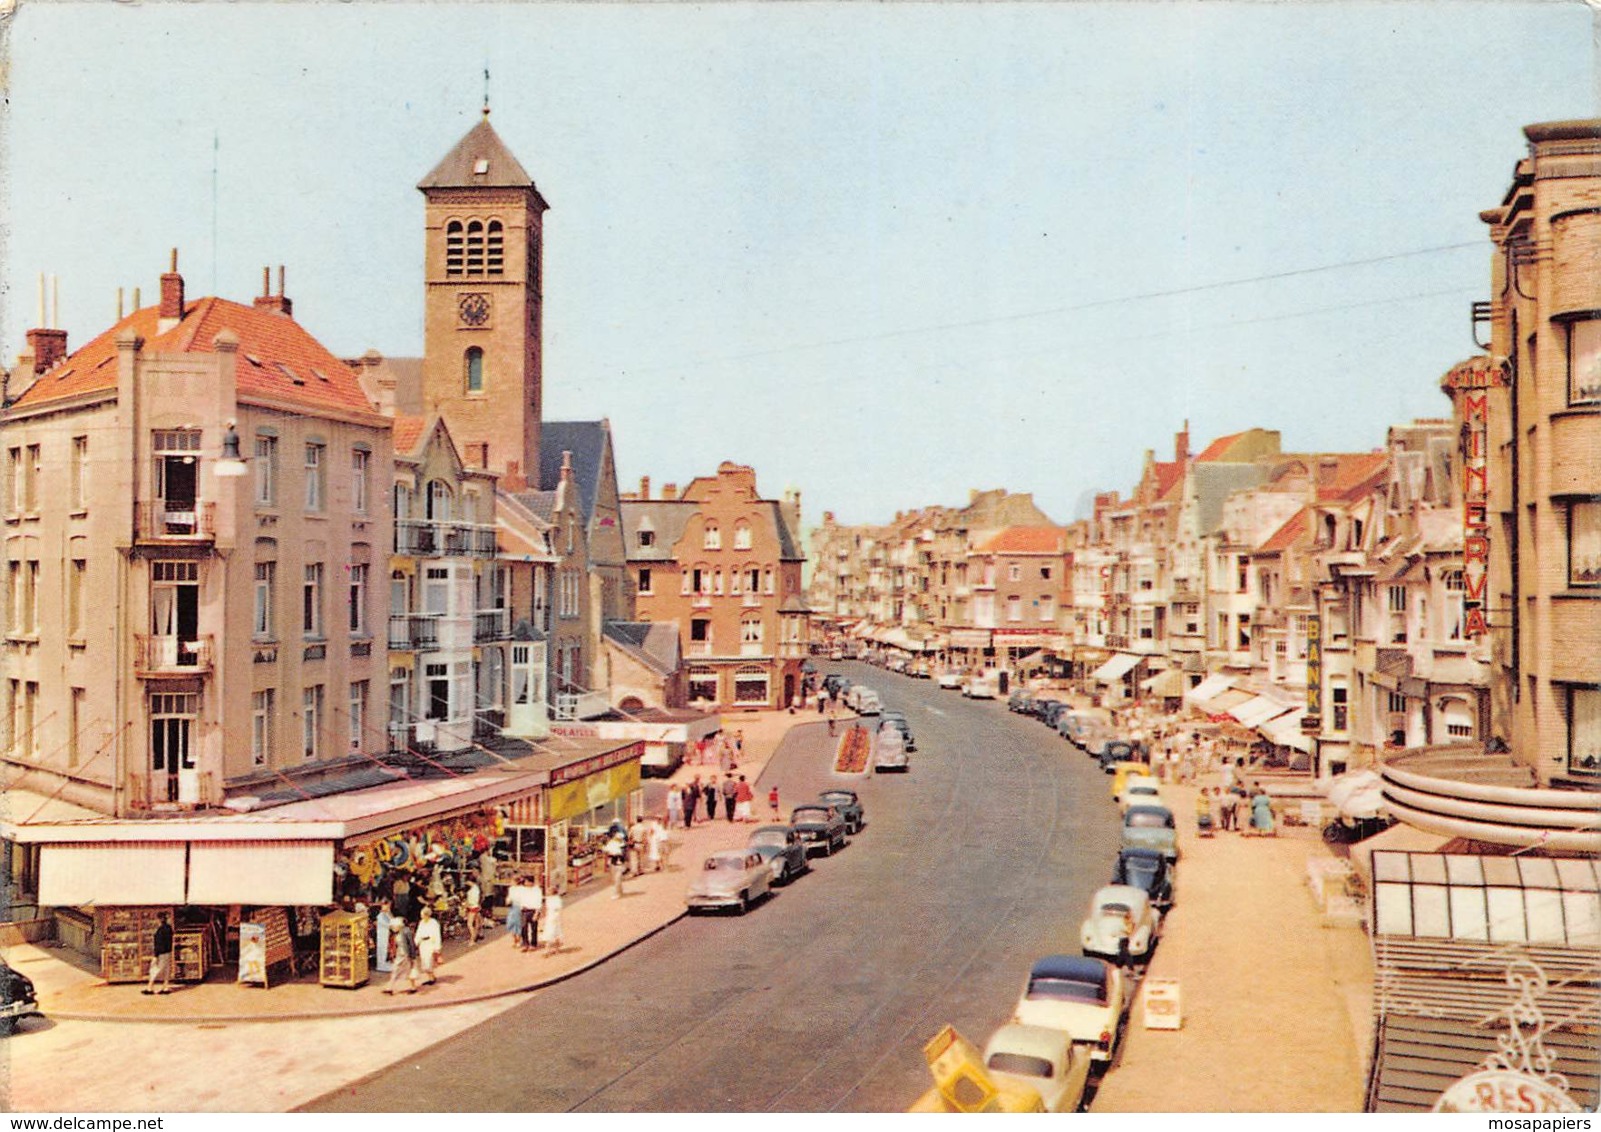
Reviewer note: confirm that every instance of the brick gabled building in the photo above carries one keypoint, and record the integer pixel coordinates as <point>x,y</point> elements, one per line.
<point>724,565</point>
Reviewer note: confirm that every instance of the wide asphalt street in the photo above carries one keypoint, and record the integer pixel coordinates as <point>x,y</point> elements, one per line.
<point>972,865</point>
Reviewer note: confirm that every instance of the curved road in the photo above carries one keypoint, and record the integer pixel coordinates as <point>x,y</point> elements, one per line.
<point>979,860</point>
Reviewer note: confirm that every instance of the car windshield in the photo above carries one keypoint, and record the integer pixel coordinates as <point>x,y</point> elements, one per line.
<point>838,799</point>
<point>1143,788</point>
<point>770,837</point>
<point>1067,990</point>
<point>728,864</point>
<point>1140,870</point>
<point>1149,819</point>
<point>1118,910</point>
<point>1021,1064</point>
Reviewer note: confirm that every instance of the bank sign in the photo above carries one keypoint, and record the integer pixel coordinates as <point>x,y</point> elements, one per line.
<point>1472,381</point>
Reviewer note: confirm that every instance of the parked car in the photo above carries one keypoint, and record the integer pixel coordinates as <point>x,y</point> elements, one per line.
<point>849,806</point>
<point>19,999</point>
<point>1115,751</point>
<point>1073,726</point>
<point>1121,924</point>
<point>1053,710</point>
<point>836,654</point>
<point>1139,788</point>
<point>1019,700</point>
<point>732,878</point>
<point>889,752</point>
<point>1146,869</point>
<point>783,849</point>
<point>950,678</point>
<point>920,669</point>
<point>897,720</point>
<point>1048,1061</point>
<point>896,664</point>
<point>868,703</point>
<point>1084,998</point>
<point>984,686</point>
<point>820,826</point>
<point>1151,827</point>
<point>1096,740</point>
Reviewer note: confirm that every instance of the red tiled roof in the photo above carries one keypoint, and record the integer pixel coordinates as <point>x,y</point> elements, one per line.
<point>1287,535</point>
<point>1168,477</point>
<point>1355,474</point>
<point>1025,540</point>
<point>1216,449</point>
<point>278,358</point>
<point>408,431</point>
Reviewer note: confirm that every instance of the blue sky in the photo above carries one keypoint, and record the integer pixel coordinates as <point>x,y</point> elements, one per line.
<point>884,253</point>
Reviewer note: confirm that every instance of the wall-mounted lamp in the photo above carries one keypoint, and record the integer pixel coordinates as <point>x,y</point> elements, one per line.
<point>231,465</point>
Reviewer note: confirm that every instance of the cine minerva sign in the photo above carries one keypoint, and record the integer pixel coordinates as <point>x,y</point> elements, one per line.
<point>1472,379</point>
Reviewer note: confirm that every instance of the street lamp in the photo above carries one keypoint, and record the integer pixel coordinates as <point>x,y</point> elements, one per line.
<point>231,465</point>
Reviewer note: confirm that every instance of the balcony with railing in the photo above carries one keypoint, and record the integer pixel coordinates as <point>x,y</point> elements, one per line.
<point>172,520</point>
<point>491,625</point>
<point>161,656</point>
<point>187,790</point>
<point>413,632</point>
<point>425,538</point>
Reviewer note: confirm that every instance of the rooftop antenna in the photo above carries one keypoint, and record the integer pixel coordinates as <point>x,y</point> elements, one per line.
<point>214,147</point>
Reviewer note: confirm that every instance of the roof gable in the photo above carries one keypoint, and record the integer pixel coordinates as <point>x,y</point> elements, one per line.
<point>480,149</point>
<point>278,359</point>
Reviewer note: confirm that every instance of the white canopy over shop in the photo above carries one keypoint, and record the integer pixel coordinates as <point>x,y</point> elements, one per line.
<point>1213,685</point>
<point>1257,711</point>
<point>1285,731</point>
<point>1115,669</point>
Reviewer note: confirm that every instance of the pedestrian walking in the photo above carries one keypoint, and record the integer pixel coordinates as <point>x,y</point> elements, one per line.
<point>161,958</point>
<point>430,942</point>
<point>617,859</point>
<point>708,794</point>
<point>514,919</point>
<point>691,801</point>
<point>772,803</point>
<point>402,958</point>
<point>743,797</point>
<point>382,926</point>
<point>729,790</point>
<point>472,904</point>
<point>553,929</point>
<point>1205,819</point>
<point>821,696</point>
<point>401,895</point>
<point>1262,813</point>
<point>488,878</point>
<point>1242,811</point>
<point>533,898</point>
<point>638,835</point>
<point>656,848</point>
<point>675,808</point>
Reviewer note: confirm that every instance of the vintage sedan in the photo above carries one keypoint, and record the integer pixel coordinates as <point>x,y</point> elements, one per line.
<point>820,826</point>
<point>1086,999</point>
<point>1121,925</point>
<point>783,849</point>
<point>733,878</point>
<point>949,679</point>
<point>889,752</point>
<point>849,807</point>
<point>1047,1061</point>
<point>1146,869</point>
<point>1151,827</point>
<point>20,1000</point>
<point>897,721</point>
<point>1139,789</point>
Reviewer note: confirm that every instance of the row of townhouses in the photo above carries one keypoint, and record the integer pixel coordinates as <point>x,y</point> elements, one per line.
<point>268,608</point>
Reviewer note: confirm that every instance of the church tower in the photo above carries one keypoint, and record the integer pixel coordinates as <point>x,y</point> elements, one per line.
<point>482,324</point>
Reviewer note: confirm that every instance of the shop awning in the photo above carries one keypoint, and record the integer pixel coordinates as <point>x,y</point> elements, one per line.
<point>1213,685</point>
<point>118,873</point>
<point>261,872</point>
<point>1165,684</point>
<point>1257,711</point>
<point>1224,702</point>
<point>1286,731</point>
<point>1116,668</point>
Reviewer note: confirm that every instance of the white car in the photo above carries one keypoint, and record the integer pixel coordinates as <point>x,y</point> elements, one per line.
<point>889,751</point>
<point>951,679</point>
<point>1086,999</point>
<point>1047,1061</point>
<point>733,878</point>
<point>1139,790</point>
<point>1121,925</point>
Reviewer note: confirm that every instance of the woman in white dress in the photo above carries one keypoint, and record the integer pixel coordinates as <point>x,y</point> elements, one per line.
<point>553,936</point>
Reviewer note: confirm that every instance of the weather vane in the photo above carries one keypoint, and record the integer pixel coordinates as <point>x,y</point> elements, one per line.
<point>486,92</point>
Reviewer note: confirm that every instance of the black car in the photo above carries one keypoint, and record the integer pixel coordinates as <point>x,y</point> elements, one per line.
<point>781,847</point>
<point>898,722</point>
<point>1116,751</point>
<point>832,682</point>
<point>19,998</point>
<point>1054,711</point>
<point>849,807</point>
<point>1019,700</point>
<point>820,826</point>
<point>1146,869</point>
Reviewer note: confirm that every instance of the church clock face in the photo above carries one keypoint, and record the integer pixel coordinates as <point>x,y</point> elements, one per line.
<point>473,309</point>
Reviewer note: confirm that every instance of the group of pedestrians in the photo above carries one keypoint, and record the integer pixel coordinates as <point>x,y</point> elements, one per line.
<point>412,953</point>
<point>734,793</point>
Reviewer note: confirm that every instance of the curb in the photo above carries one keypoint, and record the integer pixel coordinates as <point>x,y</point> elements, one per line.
<point>387,1008</point>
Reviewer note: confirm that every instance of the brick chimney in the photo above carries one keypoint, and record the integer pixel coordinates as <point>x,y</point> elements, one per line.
<point>47,347</point>
<point>171,297</point>
<point>1181,444</point>
<point>267,301</point>
<point>512,479</point>
<point>669,491</point>
<point>644,487</point>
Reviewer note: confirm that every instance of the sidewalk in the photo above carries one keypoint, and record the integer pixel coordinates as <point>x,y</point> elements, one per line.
<point>1277,1006</point>
<point>596,927</point>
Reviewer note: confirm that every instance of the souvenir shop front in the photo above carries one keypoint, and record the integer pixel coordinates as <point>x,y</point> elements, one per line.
<point>293,891</point>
